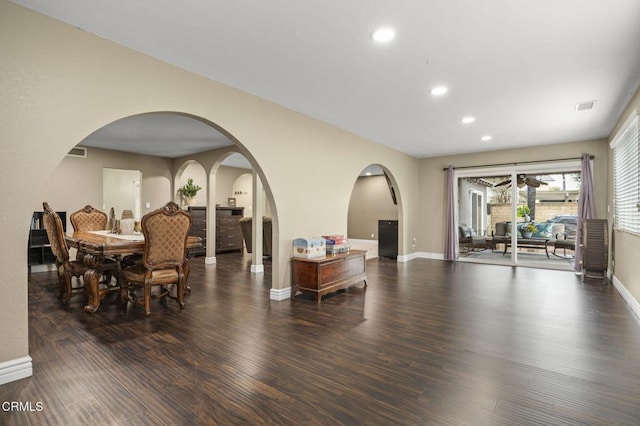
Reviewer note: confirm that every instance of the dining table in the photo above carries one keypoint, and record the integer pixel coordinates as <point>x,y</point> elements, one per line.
<point>97,246</point>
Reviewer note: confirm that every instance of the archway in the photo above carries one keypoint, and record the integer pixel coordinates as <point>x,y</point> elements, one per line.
<point>374,218</point>
<point>162,173</point>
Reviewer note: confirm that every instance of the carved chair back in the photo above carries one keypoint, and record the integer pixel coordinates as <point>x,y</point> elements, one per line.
<point>165,232</point>
<point>88,219</point>
<point>55,232</point>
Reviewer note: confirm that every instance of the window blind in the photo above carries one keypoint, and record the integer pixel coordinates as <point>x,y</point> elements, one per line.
<point>626,176</point>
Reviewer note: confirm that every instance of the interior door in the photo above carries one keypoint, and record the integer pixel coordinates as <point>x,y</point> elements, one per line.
<point>121,190</point>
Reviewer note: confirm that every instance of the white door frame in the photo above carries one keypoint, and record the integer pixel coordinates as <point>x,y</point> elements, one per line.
<point>513,170</point>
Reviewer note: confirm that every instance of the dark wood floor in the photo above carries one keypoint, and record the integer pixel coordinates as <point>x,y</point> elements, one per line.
<point>428,342</point>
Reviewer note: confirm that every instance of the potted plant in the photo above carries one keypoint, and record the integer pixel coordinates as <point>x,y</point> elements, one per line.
<point>524,212</point>
<point>189,191</point>
<point>528,229</point>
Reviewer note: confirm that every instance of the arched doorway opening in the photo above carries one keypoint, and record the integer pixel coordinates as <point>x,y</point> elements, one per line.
<point>167,148</point>
<point>374,217</point>
<point>231,193</point>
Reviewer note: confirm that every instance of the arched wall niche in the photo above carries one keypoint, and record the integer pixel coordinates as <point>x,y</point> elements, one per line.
<point>191,169</point>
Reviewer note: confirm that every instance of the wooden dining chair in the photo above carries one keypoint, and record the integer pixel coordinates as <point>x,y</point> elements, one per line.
<point>164,260</point>
<point>88,219</point>
<point>67,269</point>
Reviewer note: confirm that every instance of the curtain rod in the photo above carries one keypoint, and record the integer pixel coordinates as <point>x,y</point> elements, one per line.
<point>591,157</point>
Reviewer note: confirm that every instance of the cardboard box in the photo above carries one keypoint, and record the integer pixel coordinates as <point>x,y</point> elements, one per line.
<point>309,247</point>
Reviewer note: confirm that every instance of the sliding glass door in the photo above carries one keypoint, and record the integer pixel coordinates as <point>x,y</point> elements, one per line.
<point>521,214</point>
<point>484,212</point>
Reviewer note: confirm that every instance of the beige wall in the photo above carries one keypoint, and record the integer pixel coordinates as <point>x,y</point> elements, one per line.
<point>76,182</point>
<point>432,181</point>
<point>624,246</point>
<point>370,201</point>
<point>59,84</point>
<point>226,177</point>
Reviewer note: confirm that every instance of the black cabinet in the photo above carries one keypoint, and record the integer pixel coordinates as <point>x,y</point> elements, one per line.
<point>388,238</point>
<point>39,249</point>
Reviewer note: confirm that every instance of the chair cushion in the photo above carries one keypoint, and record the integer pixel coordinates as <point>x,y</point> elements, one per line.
<point>544,230</point>
<point>466,231</point>
<point>137,273</point>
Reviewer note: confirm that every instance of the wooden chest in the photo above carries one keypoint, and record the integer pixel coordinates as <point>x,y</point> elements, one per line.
<point>324,275</point>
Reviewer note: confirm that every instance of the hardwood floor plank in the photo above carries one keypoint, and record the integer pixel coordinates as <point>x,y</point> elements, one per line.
<point>427,342</point>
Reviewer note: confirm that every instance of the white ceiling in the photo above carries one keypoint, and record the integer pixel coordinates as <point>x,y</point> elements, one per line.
<point>518,66</point>
<point>162,134</point>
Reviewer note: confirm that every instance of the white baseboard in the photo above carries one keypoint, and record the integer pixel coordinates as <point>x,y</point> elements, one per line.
<point>257,269</point>
<point>280,293</point>
<point>427,255</point>
<point>210,260</point>
<point>15,369</point>
<point>48,267</point>
<point>628,297</point>
<point>419,255</point>
<point>406,257</point>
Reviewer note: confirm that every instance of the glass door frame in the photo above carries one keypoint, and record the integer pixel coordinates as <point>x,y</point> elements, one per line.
<point>513,170</point>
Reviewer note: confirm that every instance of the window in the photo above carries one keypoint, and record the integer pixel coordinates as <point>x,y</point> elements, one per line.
<point>626,176</point>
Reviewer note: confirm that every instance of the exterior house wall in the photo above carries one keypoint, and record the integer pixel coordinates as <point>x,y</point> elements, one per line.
<point>544,211</point>
<point>465,202</point>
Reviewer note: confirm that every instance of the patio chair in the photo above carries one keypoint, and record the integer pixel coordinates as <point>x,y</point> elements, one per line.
<point>470,240</point>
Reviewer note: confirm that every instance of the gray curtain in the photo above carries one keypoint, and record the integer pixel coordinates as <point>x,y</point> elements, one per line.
<point>586,207</point>
<point>451,237</point>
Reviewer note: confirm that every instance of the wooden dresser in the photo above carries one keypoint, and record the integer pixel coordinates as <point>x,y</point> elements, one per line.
<point>228,231</point>
<point>327,274</point>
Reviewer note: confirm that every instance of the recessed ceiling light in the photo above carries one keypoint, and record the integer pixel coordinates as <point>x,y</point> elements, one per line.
<point>383,35</point>
<point>467,120</point>
<point>486,138</point>
<point>439,90</point>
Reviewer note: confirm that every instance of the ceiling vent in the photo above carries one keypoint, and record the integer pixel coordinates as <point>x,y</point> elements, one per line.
<point>583,106</point>
<point>78,151</point>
